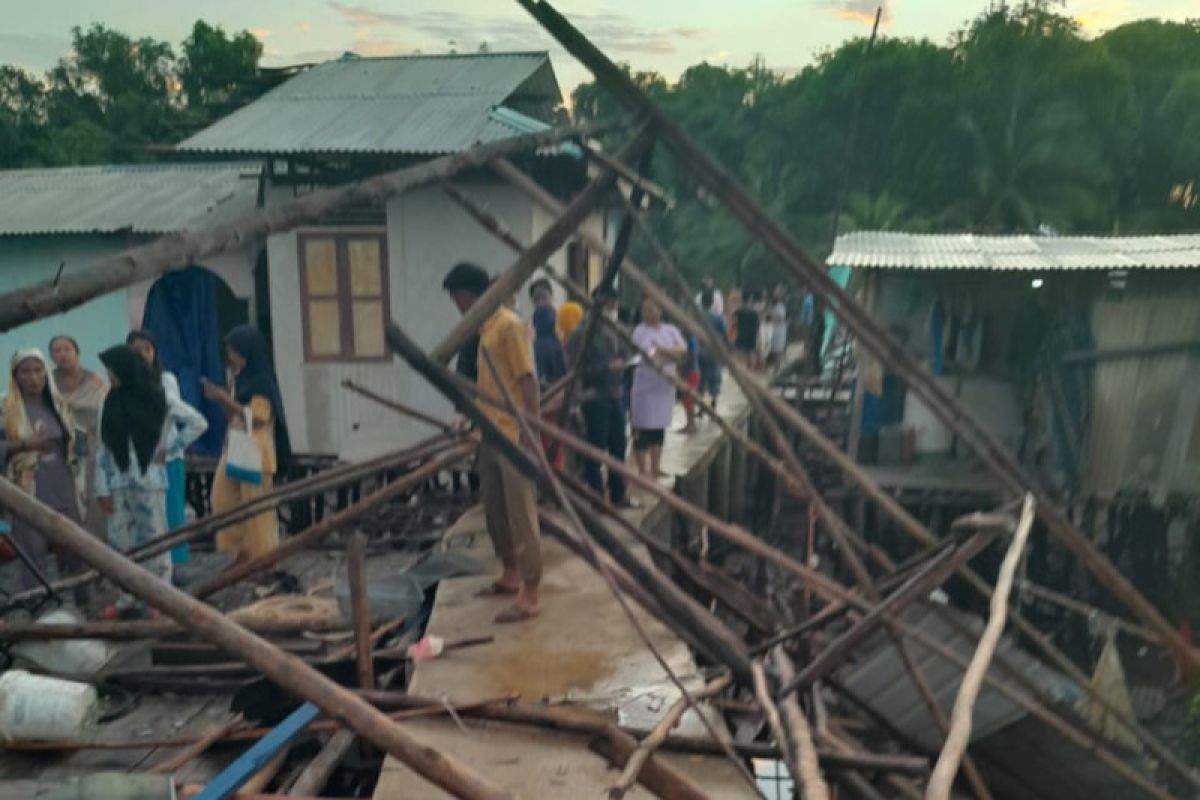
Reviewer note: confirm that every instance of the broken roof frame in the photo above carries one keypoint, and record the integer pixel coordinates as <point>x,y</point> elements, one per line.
<point>175,251</point>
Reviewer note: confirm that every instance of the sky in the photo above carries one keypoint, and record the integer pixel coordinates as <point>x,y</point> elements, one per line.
<point>666,36</point>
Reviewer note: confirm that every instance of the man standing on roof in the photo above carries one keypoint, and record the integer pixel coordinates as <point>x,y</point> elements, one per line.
<point>509,498</point>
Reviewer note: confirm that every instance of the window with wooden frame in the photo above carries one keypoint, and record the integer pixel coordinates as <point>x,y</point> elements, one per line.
<point>344,294</point>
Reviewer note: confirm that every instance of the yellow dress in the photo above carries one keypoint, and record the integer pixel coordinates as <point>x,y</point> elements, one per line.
<point>259,534</point>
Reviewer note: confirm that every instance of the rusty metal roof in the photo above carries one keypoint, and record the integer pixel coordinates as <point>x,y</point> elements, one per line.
<point>405,104</point>
<point>890,250</point>
<point>142,198</point>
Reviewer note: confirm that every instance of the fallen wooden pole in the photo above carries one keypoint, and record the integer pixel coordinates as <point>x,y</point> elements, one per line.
<point>571,721</point>
<point>974,777</point>
<point>770,710</point>
<point>660,778</point>
<point>294,491</point>
<point>130,631</point>
<point>917,587</point>
<point>493,225</point>
<point>508,282</point>
<point>415,413</point>
<point>859,322</point>
<point>330,524</point>
<point>680,608</point>
<point>197,749</point>
<point>360,609</point>
<point>646,747</point>
<point>289,672</point>
<point>176,251</point>
<point>799,735</point>
<point>944,771</point>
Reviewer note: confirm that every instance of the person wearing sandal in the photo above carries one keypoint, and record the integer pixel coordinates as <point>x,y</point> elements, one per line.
<point>653,397</point>
<point>509,498</point>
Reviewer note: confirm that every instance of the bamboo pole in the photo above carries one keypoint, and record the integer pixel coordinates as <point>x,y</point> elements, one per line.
<point>944,771</point>
<point>661,779</point>
<point>861,324</point>
<point>289,672</point>
<point>131,631</point>
<point>179,250</point>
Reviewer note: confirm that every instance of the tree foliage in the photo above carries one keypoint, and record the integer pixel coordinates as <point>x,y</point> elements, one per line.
<point>1018,124</point>
<point>115,98</point>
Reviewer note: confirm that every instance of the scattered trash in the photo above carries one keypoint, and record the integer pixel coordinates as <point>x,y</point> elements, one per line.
<point>427,649</point>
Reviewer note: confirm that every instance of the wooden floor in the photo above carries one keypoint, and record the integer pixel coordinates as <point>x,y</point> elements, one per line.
<point>582,650</point>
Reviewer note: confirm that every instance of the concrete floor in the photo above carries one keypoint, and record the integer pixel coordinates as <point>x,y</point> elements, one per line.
<point>582,652</point>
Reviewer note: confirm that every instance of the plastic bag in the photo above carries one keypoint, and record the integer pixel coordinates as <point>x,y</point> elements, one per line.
<point>243,458</point>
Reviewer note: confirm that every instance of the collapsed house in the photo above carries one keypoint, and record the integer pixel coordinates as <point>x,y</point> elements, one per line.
<point>791,648</point>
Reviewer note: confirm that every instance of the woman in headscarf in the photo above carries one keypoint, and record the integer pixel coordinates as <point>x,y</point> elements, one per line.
<point>39,455</point>
<point>144,344</point>
<point>255,387</point>
<point>570,314</point>
<point>139,424</point>
<point>83,391</point>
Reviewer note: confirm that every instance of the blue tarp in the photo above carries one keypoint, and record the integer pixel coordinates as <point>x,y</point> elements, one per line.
<point>181,314</point>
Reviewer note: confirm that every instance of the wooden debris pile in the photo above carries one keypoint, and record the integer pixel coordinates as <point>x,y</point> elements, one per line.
<point>784,666</point>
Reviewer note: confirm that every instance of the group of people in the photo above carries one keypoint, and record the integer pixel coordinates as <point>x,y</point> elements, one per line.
<point>627,384</point>
<point>758,326</point>
<point>109,454</point>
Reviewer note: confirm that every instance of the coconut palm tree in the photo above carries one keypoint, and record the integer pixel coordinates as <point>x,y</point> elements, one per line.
<point>1040,165</point>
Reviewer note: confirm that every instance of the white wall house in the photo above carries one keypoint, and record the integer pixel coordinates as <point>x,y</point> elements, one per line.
<point>332,286</point>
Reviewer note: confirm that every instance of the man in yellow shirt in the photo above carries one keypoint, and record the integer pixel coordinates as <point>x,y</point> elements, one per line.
<point>509,498</point>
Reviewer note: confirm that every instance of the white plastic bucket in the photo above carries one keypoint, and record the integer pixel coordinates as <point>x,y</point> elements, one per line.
<point>44,709</point>
<point>72,657</point>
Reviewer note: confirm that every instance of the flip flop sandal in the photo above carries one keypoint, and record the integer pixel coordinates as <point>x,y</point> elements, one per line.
<point>497,589</point>
<point>514,614</point>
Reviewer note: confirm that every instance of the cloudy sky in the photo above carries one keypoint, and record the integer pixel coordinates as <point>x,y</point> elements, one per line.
<point>662,35</point>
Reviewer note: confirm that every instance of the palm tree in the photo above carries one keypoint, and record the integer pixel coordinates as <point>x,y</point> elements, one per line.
<point>881,212</point>
<point>1041,166</point>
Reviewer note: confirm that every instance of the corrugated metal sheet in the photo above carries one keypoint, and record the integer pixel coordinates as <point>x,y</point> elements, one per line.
<point>888,250</point>
<point>1144,407</point>
<point>880,679</point>
<point>408,104</point>
<point>137,198</point>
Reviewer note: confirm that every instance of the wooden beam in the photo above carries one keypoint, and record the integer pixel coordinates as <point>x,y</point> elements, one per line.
<point>180,250</point>
<point>289,672</point>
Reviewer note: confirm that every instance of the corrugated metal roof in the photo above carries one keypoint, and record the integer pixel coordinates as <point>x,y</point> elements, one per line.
<point>143,198</point>
<point>889,250</point>
<point>880,679</point>
<point>406,104</point>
